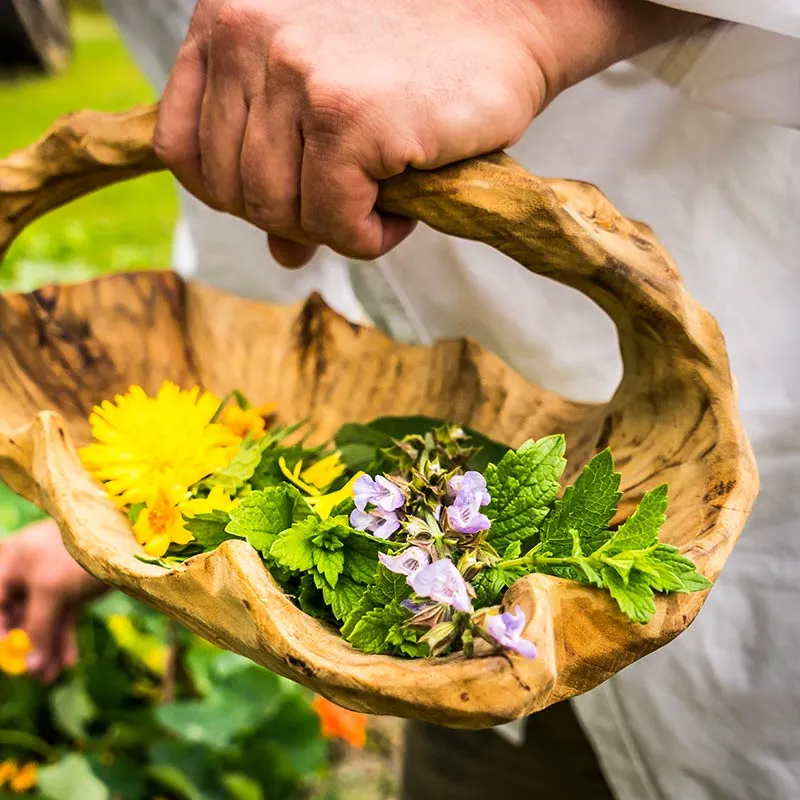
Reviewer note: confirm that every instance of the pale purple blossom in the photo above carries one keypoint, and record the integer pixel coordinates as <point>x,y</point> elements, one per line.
<point>379,523</point>
<point>442,582</point>
<point>506,629</point>
<point>471,484</point>
<point>380,492</point>
<point>465,515</point>
<point>407,563</point>
<point>413,607</point>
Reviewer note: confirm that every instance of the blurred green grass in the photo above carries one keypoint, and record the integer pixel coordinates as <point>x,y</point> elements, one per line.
<point>128,226</point>
<point>124,227</point>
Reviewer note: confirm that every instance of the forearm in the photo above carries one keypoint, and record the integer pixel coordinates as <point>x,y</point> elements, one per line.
<point>574,39</point>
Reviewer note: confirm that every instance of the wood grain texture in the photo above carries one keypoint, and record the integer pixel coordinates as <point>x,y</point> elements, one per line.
<point>672,419</point>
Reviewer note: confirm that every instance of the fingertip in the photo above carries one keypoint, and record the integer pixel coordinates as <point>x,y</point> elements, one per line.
<point>395,230</point>
<point>290,254</point>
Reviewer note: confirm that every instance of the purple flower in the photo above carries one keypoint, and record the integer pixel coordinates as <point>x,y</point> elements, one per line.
<point>465,516</point>
<point>381,492</point>
<point>378,522</point>
<point>506,629</point>
<point>413,607</point>
<point>471,484</point>
<point>442,582</point>
<point>407,563</point>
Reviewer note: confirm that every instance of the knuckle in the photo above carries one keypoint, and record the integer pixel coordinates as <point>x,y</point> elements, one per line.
<point>287,53</point>
<point>272,218</point>
<point>233,17</point>
<point>168,147</point>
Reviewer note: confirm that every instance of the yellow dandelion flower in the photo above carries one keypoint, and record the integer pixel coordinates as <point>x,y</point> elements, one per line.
<point>324,472</point>
<point>247,421</point>
<point>293,476</point>
<point>160,522</point>
<point>14,651</point>
<point>25,779</point>
<point>8,769</point>
<point>217,500</point>
<point>323,504</point>
<point>143,442</point>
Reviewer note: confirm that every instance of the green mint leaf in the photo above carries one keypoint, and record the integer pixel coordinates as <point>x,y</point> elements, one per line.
<point>209,529</point>
<point>406,641</point>
<point>586,507</point>
<point>514,550</point>
<point>293,549</point>
<point>641,529</point>
<point>344,598</point>
<point>329,563</point>
<point>361,558</point>
<point>370,634</point>
<point>634,597</point>
<point>264,514</point>
<point>366,604</point>
<point>389,586</point>
<point>311,599</point>
<point>522,487</point>
<point>240,470</point>
<point>491,583</point>
<point>668,571</point>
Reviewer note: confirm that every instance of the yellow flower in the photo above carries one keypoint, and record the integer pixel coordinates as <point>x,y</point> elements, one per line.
<point>143,647</point>
<point>160,522</point>
<point>324,472</point>
<point>143,442</point>
<point>246,421</point>
<point>323,504</point>
<point>25,779</point>
<point>8,769</point>
<point>14,650</point>
<point>217,500</point>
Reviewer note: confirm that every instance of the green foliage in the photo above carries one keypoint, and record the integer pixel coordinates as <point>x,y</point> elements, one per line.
<point>523,486</point>
<point>263,514</point>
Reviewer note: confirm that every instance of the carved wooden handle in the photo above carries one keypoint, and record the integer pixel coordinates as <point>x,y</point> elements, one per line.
<point>563,229</point>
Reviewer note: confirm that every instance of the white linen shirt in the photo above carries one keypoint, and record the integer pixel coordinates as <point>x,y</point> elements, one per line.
<point>699,140</point>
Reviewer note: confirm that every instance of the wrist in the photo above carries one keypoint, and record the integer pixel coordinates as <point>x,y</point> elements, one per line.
<point>574,39</point>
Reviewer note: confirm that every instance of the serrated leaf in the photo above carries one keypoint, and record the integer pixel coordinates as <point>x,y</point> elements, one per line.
<point>389,586</point>
<point>522,488</point>
<point>311,600</point>
<point>264,514</point>
<point>344,598</point>
<point>236,474</point>
<point>586,507</point>
<point>329,563</point>
<point>370,633</point>
<point>641,529</point>
<point>635,598</point>
<point>361,559</point>
<point>668,571</point>
<point>209,529</point>
<point>366,604</point>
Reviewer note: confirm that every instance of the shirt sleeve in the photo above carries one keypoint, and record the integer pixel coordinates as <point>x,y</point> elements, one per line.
<point>777,16</point>
<point>748,63</point>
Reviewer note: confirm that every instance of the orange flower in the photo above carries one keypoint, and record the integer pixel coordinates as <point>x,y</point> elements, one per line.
<point>8,769</point>
<point>25,779</point>
<point>14,650</point>
<point>339,723</point>
<point>246,421</point>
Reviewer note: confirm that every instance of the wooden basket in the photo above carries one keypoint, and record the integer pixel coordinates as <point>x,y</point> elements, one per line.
<point>673,418</point>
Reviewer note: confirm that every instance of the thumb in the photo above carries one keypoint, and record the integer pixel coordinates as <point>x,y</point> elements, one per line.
<point>40,622</point>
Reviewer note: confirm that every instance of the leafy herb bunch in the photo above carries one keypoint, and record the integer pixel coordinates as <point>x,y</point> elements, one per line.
<point>407,536</point>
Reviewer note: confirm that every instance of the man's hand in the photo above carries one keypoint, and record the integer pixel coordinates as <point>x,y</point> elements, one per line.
<point>42,590</point>
<point>288,112</point>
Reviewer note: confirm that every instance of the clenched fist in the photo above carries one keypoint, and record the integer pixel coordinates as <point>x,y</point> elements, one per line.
<point>288,112</point>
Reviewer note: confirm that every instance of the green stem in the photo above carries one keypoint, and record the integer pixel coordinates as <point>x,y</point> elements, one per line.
<point>537,561</point>
<point>27,741</point>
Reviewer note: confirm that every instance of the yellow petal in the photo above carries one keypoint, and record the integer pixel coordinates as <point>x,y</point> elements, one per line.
<point>158,545</point>
<point>25,779</point>
<point>8,769</point>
